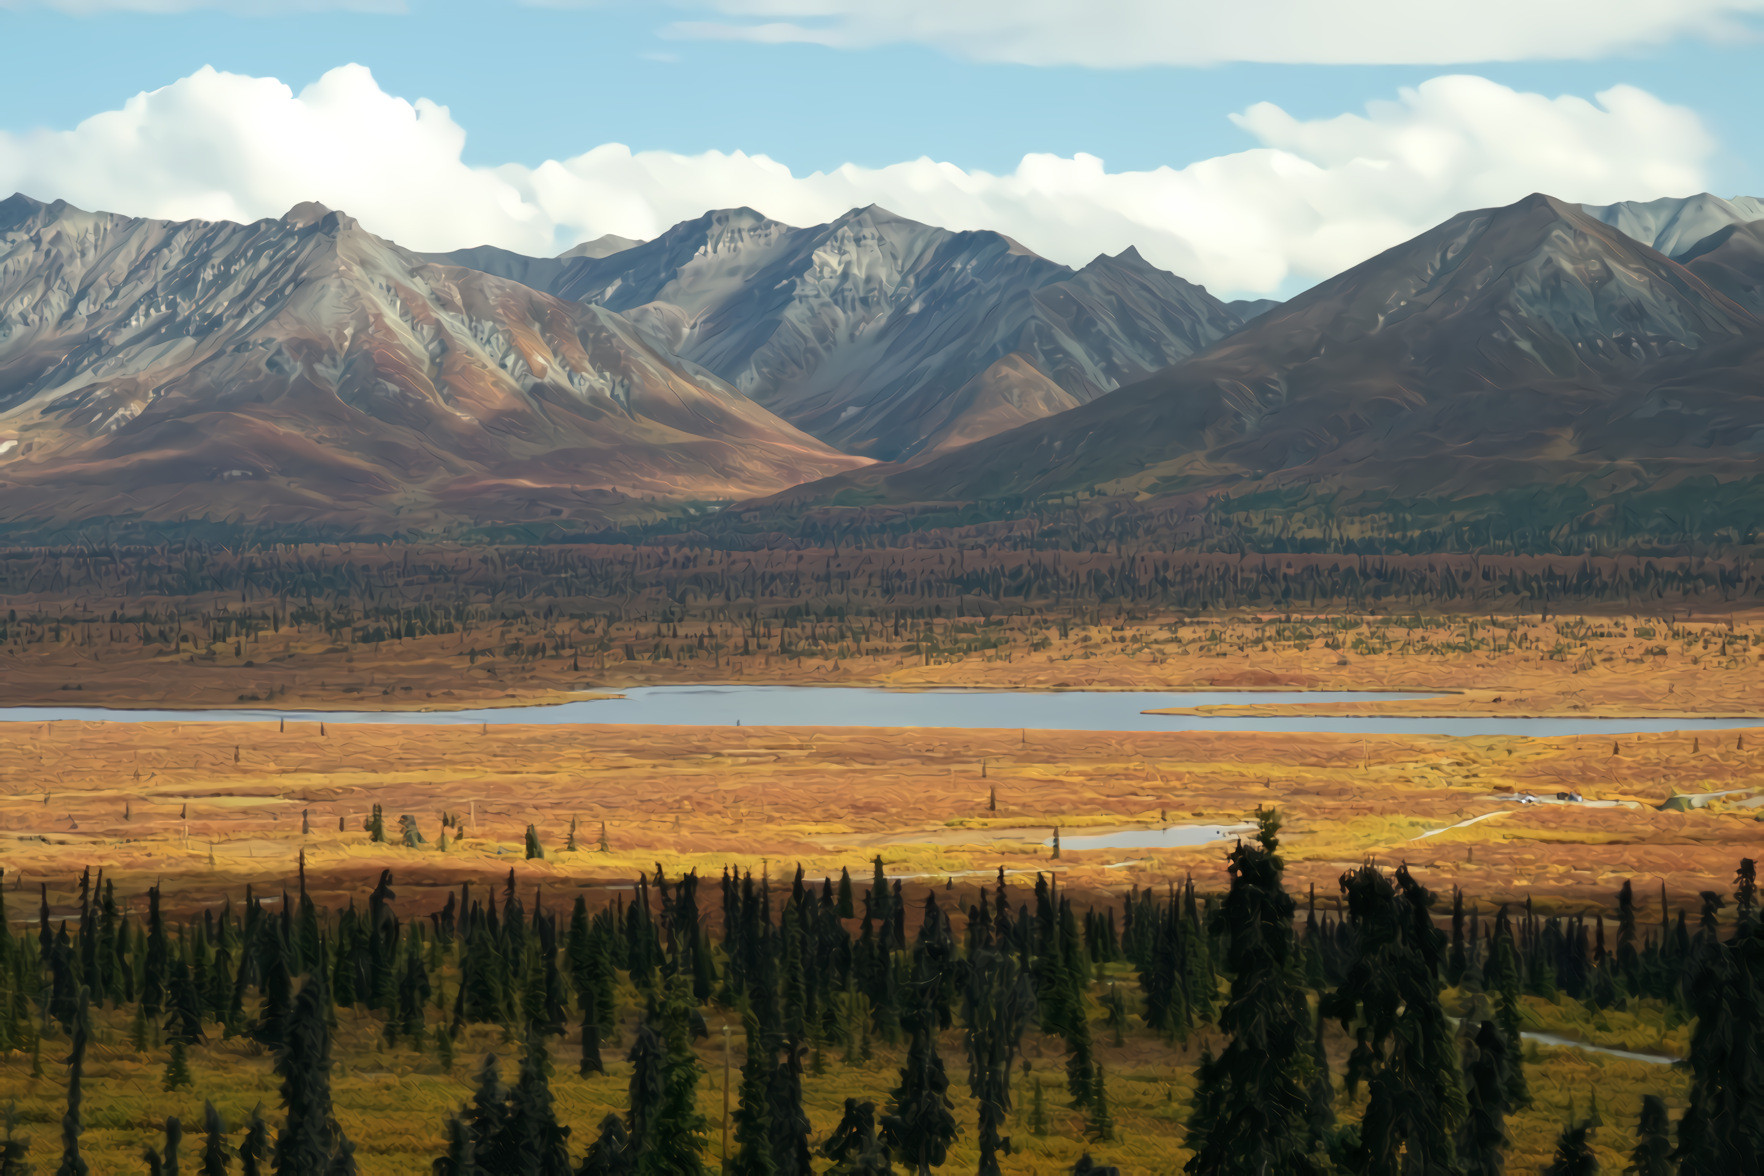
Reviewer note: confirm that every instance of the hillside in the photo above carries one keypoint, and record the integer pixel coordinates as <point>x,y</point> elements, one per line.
<point>1527,366</point>
<point>302,372</point>
<point>883,336</point>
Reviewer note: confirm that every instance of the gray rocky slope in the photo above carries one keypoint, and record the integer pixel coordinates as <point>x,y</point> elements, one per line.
<point>886,337</point>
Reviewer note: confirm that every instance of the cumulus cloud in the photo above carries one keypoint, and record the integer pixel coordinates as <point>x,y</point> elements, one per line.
<point>1309,198</point>
<point>1126,33</point>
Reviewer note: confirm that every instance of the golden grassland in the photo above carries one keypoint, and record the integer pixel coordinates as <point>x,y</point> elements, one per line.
<point>207,808</point>
<point>392,1101</point>
<point>1493,664</point>
<point>210,806</point>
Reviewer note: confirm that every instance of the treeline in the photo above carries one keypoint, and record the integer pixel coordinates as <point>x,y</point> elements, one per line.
<point>403,590</point>
<point>1692,515</point>
<point>817,968</point>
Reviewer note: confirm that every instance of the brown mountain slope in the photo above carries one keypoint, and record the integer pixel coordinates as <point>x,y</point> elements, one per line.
<point>302,372</point>
<point>1523,346</point>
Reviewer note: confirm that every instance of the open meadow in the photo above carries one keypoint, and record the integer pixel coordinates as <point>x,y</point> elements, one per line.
<point>206,810</point>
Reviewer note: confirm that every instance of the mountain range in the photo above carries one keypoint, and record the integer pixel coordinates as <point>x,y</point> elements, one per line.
<point>885,337</point>
<point>1538,369</point>
<point>1530,355</point>
<point>302,372</point>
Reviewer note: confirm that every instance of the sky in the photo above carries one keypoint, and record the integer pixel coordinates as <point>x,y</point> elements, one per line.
<point>1256,147</point>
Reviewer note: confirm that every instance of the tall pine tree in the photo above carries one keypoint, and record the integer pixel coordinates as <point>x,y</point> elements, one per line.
<point>1251,1113</point>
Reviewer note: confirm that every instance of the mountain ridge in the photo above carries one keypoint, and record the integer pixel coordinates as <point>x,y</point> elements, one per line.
<point>871,331</point>
<point>1527,345</point>
<point>322,374</point>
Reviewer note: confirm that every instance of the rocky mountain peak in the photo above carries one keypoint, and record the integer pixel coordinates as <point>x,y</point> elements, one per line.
<point>310,213</point>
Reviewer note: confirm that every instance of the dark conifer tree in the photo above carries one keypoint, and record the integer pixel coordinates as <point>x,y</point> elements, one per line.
<point>919,1125</point>
<point>487,1115</point>
<point>1416,1102</point>
<point>270,1027</point>
<point>998,1005</point>
<point>254,1149</point>
<point>174,1140</point>
<point>217,1156</point>
<point>184,1006</point>
<point>790,1123</point>
<point>1322,1091</point>
<point>1251,1113</point>
<point>667,1132</point>
<point>1653,1141</point>
<point>153,971</point>
<point>1723,1128</point>
<point>591,1062</point>
<point>177,1068</point>
<point>853,1146</point>
<point>845,907</point>
<point>1482,1141</point>
<point>71,1162</point>
<point>1504,978</point>
<point>1574,1154</point>
<point>310,1142</point>
<point>611,1153</point>
<point>753,1112</point>
<point>461,1158</point>
<point>1099,1125</point>
<point>533,1142</point>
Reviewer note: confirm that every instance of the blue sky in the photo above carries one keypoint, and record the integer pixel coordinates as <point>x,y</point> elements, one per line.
<point>530,83</point>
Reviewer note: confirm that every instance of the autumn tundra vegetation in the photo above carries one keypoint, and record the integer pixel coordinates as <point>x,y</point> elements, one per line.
<point>280,947</point>
<point>856,1026</point>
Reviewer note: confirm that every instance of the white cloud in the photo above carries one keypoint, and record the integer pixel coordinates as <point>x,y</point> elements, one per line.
<point>1310,198</point>
<point>1126,33</point>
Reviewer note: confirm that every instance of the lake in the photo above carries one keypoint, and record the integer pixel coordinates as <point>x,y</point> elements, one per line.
<point>840,706</point>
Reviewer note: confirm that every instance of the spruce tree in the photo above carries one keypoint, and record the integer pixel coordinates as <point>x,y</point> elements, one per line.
<point>1723,1128</point>
<point>310,1143</point>
<point>1251,1113</point>
<point>533,1142</point>
<point>177,1069</point>
<point>1038,1111</point>
<point>1415,1099</point>
<point>174,1140</point>
<point>1099,1126</point>
<point>591,1062</point>
<point>217,1156</point>
<point>487,1115</point>
<point>1574,1154</point>
<point>1482,1140</point>
<point>667,1132</point>
<point>534,849</point>
<point>71,1162</point>
<point>611,1153</point>
<point>920,1125</point>
<point>753,1112</point>
<point>1653,1141</point>
<point>853,1146</point>
<point>461,1157</point>
<point>790,1123</point>
<point>845,908</point>
<point>254,1149</point>
<point>1504,977</point>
